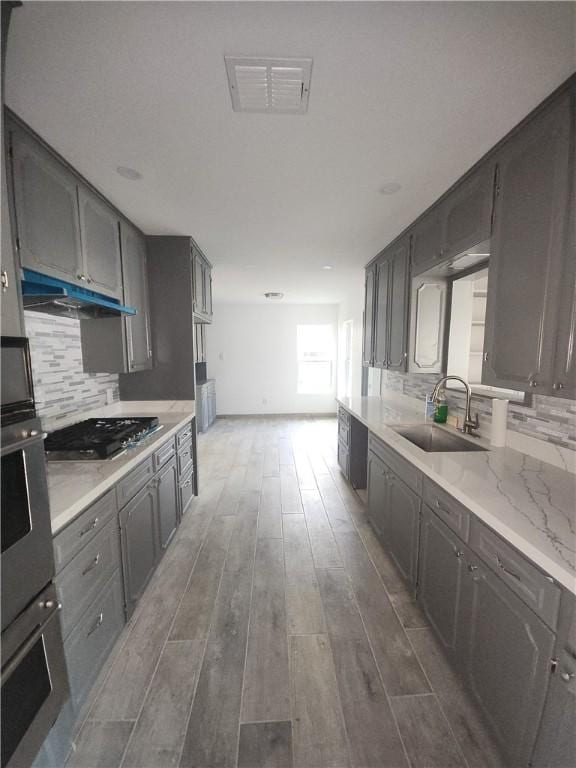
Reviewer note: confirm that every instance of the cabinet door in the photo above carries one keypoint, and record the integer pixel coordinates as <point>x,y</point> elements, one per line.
<point>167,504</point>
<point>343,459</point>
<point>208,290</point>
<point>198,282</point>
<point>136,295</point>
<point>504,651</point>
<point>468,212</point>
<point>139,543</point>
<point>401,526</point>
<point>369,301</point>
<point>427,241</point>
<point>46,204</point>
<point>527,249</point>
<point>556,743</point>
<point>427,318</point>
<point>100,245</point>
<point>377,489</point>
<point>11,302</point>
<point>381,313</point>
<point>440,572</point>
<point>398,306</point>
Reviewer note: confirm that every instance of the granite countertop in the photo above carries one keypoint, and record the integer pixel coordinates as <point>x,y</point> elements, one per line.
<point>530,503</point>
<point>74,485</point>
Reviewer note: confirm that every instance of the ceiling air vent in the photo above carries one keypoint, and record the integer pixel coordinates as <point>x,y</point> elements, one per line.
<point>274,295</point>
<point>269,85</point>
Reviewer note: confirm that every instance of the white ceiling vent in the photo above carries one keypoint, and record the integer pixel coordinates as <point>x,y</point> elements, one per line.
<point>269,85</point>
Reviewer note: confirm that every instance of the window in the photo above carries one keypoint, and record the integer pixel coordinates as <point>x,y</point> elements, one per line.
<point>315,344</point>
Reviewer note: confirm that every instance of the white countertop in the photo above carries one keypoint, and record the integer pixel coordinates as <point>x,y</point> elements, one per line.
<point>530,503</point>
<point>74,485</point>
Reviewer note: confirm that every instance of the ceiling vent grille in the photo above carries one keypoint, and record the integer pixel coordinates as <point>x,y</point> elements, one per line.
<point>269,85</point>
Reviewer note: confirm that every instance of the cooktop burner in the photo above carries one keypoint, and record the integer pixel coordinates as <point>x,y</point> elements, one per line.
<point>98,439</point>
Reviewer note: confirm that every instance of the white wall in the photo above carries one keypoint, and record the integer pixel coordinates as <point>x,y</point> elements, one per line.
<point>352,308</point>
<point>251,352</point>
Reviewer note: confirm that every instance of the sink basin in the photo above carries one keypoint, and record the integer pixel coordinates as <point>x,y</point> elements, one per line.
<point>436,440</point>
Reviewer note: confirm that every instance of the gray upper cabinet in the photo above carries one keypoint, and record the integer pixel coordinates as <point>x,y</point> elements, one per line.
<point>391,307</point>
<point>427,241</point>
<point>369,305</point>
<point>46,208</point>
<point>100,244</point>
<point>398,305</point>
<point>138,343</point>
<point>504,652</point>
<point>139,539</point>
<point>467,211</point>
<point>528,249</point>
<point>441,570</point>
<point>167,503</point>
<point>11,300</point>
<point>202,286</point>
<point>427,321</point>
<point>380,324</point>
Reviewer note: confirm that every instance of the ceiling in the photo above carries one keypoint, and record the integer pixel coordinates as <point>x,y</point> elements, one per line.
<point>401,92</point>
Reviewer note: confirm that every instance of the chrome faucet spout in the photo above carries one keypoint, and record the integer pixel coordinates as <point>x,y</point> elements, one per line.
<point>470,423</point>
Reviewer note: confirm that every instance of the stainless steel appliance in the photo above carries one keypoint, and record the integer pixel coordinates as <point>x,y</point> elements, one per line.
<point>99,439</point>
<point>34,679</point>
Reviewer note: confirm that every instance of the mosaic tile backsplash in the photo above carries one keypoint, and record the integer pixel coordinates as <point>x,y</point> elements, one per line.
<point>548,418</point>
<point>61,387</point>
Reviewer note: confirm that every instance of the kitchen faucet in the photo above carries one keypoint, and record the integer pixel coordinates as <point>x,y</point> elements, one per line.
<point>469,423</point>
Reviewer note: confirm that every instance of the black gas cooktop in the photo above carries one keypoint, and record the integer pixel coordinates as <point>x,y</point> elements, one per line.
<point>98,439</point>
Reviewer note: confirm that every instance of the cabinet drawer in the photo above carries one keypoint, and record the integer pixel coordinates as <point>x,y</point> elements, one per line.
<point>186,493</point>
<point>344,433</point>
<point>83,529</point>
<point>91,641</point>
<point>536,589</point>
<point>447,508</point>
<point>129,487</point>
<point>163,454</point>
<point>343,416</point>
<point>184,435</point>
<point>82,579</point>
<point>404,469</point>
<point>185,458</point>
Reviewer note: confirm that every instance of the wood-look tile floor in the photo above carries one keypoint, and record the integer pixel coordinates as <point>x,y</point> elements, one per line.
<point>276,631</point>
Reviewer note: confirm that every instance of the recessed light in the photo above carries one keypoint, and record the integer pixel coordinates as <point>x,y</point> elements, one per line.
<point>391,188</point>
<point>327,266</point>
<point>274,295</point>
<point>128,173</point>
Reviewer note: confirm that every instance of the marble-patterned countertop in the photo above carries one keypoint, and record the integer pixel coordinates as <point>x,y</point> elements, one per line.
<point>74,485</point>
<point>530,503</point>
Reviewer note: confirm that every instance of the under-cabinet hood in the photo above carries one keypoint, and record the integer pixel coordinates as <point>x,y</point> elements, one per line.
<point>41,293</point>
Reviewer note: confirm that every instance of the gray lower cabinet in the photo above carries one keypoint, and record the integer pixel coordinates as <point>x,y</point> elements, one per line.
<point>441,570</point>
<point>343,458</point>
<point>205,404</point>
<point>556,744</point>
<point>167,490</point>
<point>529,248</point>
<point>394,509</point>
<point>504,652</point>
<point>139,538</point>
<point>186,491</point>
<point>100,244</point>
<point>46,208</point>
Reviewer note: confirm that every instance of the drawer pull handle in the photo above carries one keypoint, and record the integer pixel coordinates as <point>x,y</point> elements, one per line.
<point>503,568</point>
<point>472,568</point>
<point>92,565</point>
<point>90,527</point>
<point>441,508</point>
<point>96,624</point>
<point>187,483</point>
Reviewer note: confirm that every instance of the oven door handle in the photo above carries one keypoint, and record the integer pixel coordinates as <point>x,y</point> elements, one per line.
<point>27,442</point>
<point>13,663</point>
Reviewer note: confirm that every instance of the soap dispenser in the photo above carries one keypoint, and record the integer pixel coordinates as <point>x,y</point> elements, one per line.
<point>441,411</point>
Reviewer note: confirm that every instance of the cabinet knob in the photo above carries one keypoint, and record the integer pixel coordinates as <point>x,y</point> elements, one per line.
<point>472,568</point>
<point>5,281</point>
<point>558,385</point>
<point>458,553</point>
<point>81,277</point>
<point>567,676</point>
<point>533,383</point>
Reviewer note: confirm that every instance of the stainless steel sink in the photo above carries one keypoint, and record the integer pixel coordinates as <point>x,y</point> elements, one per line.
<point>437,440</point>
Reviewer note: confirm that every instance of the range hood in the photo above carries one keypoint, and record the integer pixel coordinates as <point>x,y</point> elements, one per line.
<point>49,295</point>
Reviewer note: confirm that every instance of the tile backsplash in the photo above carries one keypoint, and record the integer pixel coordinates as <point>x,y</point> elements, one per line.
<point>552,419</point>
<point>61,387</point>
